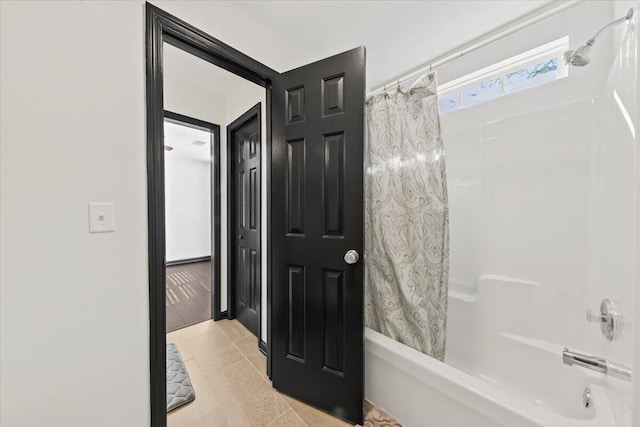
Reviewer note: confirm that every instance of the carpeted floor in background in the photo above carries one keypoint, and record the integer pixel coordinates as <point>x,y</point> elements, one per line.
<point>188,294</point>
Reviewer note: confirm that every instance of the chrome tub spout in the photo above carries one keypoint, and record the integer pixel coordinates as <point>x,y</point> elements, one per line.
<point>595,363</point>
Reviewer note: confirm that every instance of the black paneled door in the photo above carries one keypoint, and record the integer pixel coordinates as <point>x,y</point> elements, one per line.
<point>245,158</point>
<point>317,233</point>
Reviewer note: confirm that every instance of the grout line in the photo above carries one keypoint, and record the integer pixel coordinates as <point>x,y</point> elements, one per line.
<point>268,381</point>
<point>225,334</point>
<point>245,358</point>
<point>238,338</point>
<point>294,413</point>
<point>196,336</point>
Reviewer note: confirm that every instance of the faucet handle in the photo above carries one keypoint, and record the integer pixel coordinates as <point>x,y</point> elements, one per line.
<point>607,318</point>
<point>595,317</point>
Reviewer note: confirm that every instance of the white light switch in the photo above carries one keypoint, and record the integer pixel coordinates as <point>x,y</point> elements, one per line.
<point>102,217</point>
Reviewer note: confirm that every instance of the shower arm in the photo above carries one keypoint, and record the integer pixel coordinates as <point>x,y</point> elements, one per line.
<point>627,17</point>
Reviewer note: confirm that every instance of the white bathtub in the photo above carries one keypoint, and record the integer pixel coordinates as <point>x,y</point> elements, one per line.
<point>491,378</point>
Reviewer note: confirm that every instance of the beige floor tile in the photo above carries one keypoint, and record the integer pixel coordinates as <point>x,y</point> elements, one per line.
<point>218,361</point>
<point>221,388</point>
<point>260,363</point>
<point>182,348</point>
<point>231,385</point>
<point>182,336</point>
<point>259,402</point>
<point>311,416</point>
<point>193,331</point>
<point>214,418</point>
<point>200,406</point>
<point>233,329</point>
<point>295,404</point>
<point>204,345</point>
<point>288,419</point>
<point>248,345</point>
<point>214,351</point>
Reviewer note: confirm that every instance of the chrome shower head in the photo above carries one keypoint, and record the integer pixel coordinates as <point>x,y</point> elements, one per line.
<point>580,56</point>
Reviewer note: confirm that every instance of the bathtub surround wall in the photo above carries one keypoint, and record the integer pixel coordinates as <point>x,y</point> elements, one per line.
<point>542,199</point>
<point>612,210</point>
<point>522,171</point>
<point>406,221</point>
<point>636,360</point>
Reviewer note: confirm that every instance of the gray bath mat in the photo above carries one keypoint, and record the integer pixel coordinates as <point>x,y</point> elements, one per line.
<point>179,388</point>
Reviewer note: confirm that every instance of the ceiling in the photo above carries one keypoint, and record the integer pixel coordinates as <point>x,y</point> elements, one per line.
<point>399,35</point>
<point>181,138</point>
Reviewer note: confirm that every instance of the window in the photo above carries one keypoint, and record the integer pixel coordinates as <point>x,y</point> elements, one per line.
<point>529,69</point>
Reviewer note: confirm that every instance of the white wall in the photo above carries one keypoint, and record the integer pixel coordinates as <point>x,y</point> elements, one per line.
<point>187,208</point>
<point>244,96</point>
<point>74,316</point>
<point>192,100</point>
<point>187,193</point>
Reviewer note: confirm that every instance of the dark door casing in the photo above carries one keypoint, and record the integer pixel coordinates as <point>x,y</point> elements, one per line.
<point>244,142</point>
<point>317,216</point>
<point>314,348</point>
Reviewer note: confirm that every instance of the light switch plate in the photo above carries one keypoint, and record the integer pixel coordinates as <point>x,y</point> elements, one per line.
<point>102,217</point>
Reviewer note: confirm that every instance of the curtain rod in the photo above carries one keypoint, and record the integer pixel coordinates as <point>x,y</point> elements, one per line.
<point>444,59</point>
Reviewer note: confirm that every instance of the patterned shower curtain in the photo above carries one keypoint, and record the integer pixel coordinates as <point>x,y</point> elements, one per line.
<point>407,219</point>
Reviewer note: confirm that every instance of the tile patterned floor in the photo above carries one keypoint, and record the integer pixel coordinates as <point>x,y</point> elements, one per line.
<point>228,373</point>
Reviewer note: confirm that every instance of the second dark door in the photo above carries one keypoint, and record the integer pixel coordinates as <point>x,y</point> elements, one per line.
<point>244,141</point>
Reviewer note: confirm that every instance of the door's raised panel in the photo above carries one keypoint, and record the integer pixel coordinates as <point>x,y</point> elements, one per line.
<point>294,107</point>
<point>333,319</point>
<point>253,278</point>
<point>297,285</point>
<point>240,148</point>
<point>240,190</point>
<point>333,185</point>
<point>253,140</point>
<point>333,95</point>
<point>244,263</point>
<point>253,198</point>
<point>295,187</point>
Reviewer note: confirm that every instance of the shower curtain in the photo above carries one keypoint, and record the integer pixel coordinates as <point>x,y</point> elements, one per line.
<point>406,219</point>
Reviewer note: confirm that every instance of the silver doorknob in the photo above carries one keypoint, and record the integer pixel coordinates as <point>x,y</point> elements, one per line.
<point>240,237</point>
<point>351,257</point>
